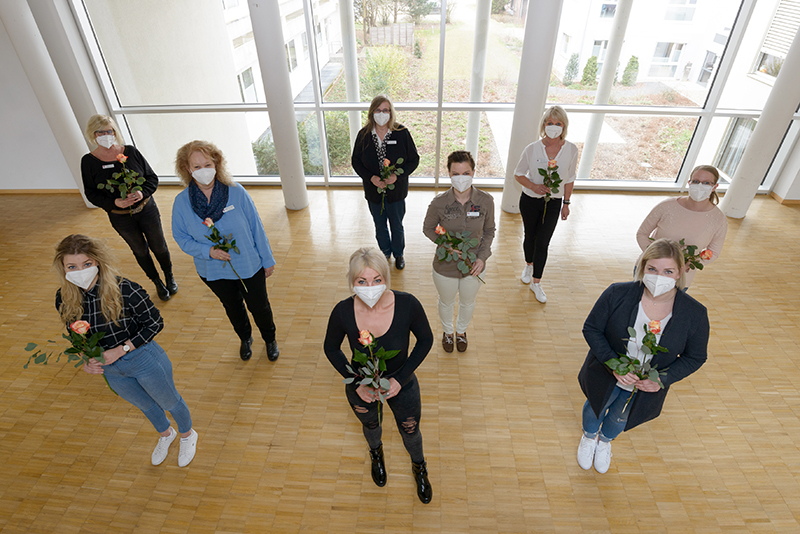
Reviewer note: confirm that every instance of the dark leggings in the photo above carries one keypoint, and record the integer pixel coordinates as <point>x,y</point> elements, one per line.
<point>537,231</point>
<point>142,231</point>
<point>233,298</point>
<point>406,407</point>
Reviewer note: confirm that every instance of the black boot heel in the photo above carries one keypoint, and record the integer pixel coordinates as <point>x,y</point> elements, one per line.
<point>378,466</point>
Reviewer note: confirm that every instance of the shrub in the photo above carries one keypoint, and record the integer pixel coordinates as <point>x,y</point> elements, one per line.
<point>418,9</point>
<point>631,72</point>
<point>571,70</point>
<point>590,72</point>
<point>498,6</point>
<point>384,71</point>
<point>417,49</point>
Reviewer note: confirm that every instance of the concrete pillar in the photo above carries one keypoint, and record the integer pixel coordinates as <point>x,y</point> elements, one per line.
<point>482,16</point>
<point>766,138</point>
<point>539,44</point>
<point>268,32</point>
<point>620,24</point>
<point>18,20</point>
<point>350,53</point>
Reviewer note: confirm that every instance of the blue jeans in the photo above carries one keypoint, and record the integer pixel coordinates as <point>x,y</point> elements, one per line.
<point>144,378</point>
<point>612,421</point>
<point>393,213</point>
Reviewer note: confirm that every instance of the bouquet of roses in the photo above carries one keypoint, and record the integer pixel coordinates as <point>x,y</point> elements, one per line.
<point>456,248</point>
<point>373,365</point>
<point>125,182</point>
<point>552,180</point>
<point>628,364</point>
<point>386,171</point>
<point>83,350</point>
<point>225,243</point>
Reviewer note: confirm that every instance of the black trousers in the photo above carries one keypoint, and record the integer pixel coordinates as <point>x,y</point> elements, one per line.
<point>142,231</point>
<point>407,409</point>
<point>233,297</point>
<point>537,231</point>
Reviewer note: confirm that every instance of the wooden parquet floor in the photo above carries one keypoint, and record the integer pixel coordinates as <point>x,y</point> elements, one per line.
<point>280,451</point>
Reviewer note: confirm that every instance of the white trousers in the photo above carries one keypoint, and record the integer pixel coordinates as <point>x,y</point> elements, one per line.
<point>467,289</point>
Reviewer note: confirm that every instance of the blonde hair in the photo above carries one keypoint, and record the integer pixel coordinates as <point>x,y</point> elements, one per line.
<point>71,295</point>
<point>663,248</point>
<point>101,122</point>
<point>714,198</point>
<point>210,151</point>
<point>368,257</point>
<point>556,113</point>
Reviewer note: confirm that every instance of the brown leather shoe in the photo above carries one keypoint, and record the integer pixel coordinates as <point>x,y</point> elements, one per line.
<point>461,342</point>
<point>447,342</point>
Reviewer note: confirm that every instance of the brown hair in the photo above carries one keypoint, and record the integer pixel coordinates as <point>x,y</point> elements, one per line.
<point>460,156</point>
<point>210,151</point>
<point>714,198</point>
<point>374,105</point>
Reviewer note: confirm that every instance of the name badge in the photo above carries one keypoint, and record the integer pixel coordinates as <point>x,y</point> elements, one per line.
<point>473,214</point>
<point>228,208</point>
<point>109,166</point>
<point>391,142</point>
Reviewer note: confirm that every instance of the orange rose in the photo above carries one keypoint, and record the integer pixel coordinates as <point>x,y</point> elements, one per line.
<point>208,222</point>
<point>552,164</point>
<point>122,158</point>
<point>79,327</point>
<point>365,338</point>
<point>439,230</point>
<point>655,327</point>
<point>386,162</point>
<point>706,254</point>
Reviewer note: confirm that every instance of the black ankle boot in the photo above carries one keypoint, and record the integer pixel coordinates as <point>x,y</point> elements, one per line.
<point>378,466</point>
<point>161,289</point>
<point>424,490</point>
<point>172,285</point>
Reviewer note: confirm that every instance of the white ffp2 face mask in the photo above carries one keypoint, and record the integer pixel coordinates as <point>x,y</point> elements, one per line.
<point>700,192</point>
<point>381,118</point>
<point>83,278</point>
<point>205,175</point>
<point>461,182</point>
<point>552,131</point>
<point>369,295</point>
<point>657,284</point>
<point>106,141</point>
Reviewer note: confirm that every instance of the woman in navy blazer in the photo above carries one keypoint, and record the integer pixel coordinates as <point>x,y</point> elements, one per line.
<point>383,138</point>
<point>654,299</point>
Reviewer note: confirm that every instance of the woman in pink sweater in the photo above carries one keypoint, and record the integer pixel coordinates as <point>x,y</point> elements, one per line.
<point>695,218</point>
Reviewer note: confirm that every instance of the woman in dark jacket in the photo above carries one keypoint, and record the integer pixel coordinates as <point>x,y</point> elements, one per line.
<point>382,142</point>
<point>654,302</point>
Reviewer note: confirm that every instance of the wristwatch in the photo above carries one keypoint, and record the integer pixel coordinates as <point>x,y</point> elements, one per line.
<point>126,348</point>
<point>567,202</point>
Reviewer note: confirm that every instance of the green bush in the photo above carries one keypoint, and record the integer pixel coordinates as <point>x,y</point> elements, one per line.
<point>631,72</point>
<point>384,71</point>
<point>498,6</point>
<point>590,72</point>
<point>417,49</point>
<point>571,70</point>
<point>264,152</point>
<point>418,9</point>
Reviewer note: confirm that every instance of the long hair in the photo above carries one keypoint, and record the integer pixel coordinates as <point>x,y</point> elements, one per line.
<point>663,248</point>
<point>373,106</point>
<point>210,151</point>
<point>714,198</point>
<point>368,257</point>
<point>71,295</point>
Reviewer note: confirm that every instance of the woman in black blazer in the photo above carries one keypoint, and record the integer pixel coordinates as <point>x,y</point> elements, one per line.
<point>382,141</point>
<point>656,300</point>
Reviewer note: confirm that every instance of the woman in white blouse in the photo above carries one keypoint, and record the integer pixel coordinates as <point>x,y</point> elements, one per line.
<point>540,214</point>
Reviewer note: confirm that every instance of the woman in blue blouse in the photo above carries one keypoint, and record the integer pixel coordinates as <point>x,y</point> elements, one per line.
<point>212,194</point>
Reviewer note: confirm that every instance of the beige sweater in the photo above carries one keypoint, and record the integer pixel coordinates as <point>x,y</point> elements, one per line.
<point>705,229</point>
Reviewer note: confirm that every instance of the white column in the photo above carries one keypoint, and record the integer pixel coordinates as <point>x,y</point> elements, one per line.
<point>541,32</point>
<point>620,24</point>
<point>482,16</point>
<point>350,54</point>
<point>268,32</point>
<point>766,137</point>
<point>18,20</point>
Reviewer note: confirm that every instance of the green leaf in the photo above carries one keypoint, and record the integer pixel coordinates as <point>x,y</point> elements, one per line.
<point>632,332</point>
<point>40,358</point>
<point>382,365</point>
<point>349,380</point>
<point>391,354</point>
<point>441,252</point>
<point>365,382</point>
<point>30,346</point>
<point>101,186</point>
<point>398,171</point>
<point>385,384</point>
<point>359,357</point>
<point>399,161</point>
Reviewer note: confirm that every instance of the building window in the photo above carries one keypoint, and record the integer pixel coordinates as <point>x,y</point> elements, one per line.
<point>305,45</point>
<point>607,11</point>
<point>707,69</point>
<point>227,4</point>
<point>291,55</point>
<point>247,86</point>
<point>734,142</point>
<point>769,64</point>
<point>565,43</point>
<point>599,50</point>
<point>665,60</point>
<point>680,10</point>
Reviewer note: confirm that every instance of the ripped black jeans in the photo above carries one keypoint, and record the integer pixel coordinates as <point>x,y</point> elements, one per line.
<point>406,407</point>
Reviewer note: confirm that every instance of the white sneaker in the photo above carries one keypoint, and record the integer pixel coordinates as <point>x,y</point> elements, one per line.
<point>188,448</point>
<point>602,456</point>
<point>162,447</point>
<point>586,452</point>
<point>527,274</point>
<point>539,292</point>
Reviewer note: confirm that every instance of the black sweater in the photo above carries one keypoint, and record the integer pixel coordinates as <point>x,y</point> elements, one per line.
<point>365,162</point>
<point>95,171</point>
<point>409,317</point>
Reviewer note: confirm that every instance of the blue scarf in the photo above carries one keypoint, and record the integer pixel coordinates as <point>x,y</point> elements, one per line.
<point>209,208</point>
